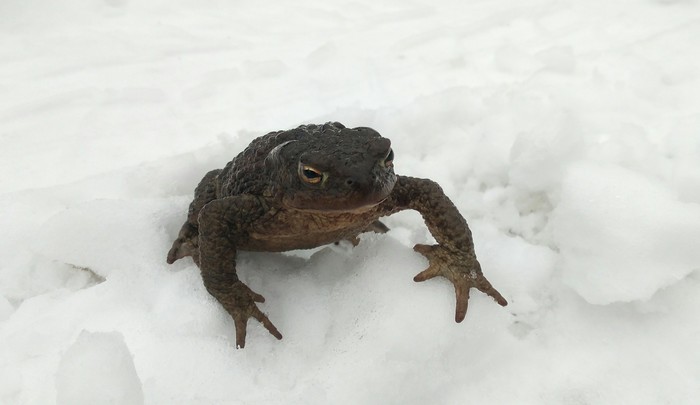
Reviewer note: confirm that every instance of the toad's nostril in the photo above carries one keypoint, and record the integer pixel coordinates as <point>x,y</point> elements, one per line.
<point>349,182</point>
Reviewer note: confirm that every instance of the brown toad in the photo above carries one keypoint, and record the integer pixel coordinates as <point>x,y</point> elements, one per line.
<point>310,186</point>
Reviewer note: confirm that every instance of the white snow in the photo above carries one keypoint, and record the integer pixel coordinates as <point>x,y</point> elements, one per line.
<point>98,369</point>
<point>630,242</point>
<point>567,133</point>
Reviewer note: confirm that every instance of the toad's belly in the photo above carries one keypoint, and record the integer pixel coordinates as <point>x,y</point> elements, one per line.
<point>283,243</point>
<point>297,230</point>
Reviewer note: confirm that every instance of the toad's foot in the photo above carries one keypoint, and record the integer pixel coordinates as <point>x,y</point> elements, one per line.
<point>185,245</point>
<point>240,303</point>
<point>462,270</point>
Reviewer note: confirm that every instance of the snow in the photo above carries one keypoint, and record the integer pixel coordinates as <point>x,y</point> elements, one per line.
<point>630,242</point>
<point>565,132</point>
<point>98,369</point>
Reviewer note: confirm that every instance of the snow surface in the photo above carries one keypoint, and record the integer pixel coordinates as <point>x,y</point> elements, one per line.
<point>98,369</point>
<point>566,132</point>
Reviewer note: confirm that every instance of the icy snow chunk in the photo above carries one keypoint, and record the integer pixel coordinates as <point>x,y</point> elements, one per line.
<point>98,369</point>
<point>622,236</point>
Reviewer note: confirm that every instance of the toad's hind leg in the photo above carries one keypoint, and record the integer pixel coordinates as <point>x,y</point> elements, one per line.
<point>187,242</point>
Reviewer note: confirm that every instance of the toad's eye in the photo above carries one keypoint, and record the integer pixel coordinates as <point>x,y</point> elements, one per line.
<point>309,174</point>
<point>389,159</point>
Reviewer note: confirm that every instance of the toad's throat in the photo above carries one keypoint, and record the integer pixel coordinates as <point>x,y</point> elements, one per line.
<point>361,199</point>
<point>328,204</point>
<point>340,209</point>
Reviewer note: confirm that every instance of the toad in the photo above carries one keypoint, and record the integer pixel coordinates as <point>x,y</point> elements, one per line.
<point>311,186</point>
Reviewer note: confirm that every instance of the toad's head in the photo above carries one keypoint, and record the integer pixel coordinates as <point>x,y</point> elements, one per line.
<point>330,168</point>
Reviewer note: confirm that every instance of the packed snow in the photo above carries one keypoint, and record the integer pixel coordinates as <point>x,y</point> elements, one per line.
<point>567,133</point>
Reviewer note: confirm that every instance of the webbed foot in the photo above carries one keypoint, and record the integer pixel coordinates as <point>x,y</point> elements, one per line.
<point>240,303</point>
<point>462,270</point>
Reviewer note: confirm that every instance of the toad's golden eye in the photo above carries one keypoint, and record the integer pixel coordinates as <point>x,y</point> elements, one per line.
<point>309,174</point>
<point>389,159</point>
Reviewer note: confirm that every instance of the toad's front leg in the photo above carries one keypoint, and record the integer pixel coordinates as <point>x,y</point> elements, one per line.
<point>463,270</point>
<point>221,223</point>
<point>453,257</point>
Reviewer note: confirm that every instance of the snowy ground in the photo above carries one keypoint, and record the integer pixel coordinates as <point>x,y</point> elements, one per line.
<point>568,134</point>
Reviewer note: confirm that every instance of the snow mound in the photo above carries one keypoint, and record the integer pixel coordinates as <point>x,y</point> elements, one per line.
<point>98,369</point>
<point>622,236</point>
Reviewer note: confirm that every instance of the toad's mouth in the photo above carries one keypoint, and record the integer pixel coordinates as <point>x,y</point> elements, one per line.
<point>353,203</point>
<point>341,210</point>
